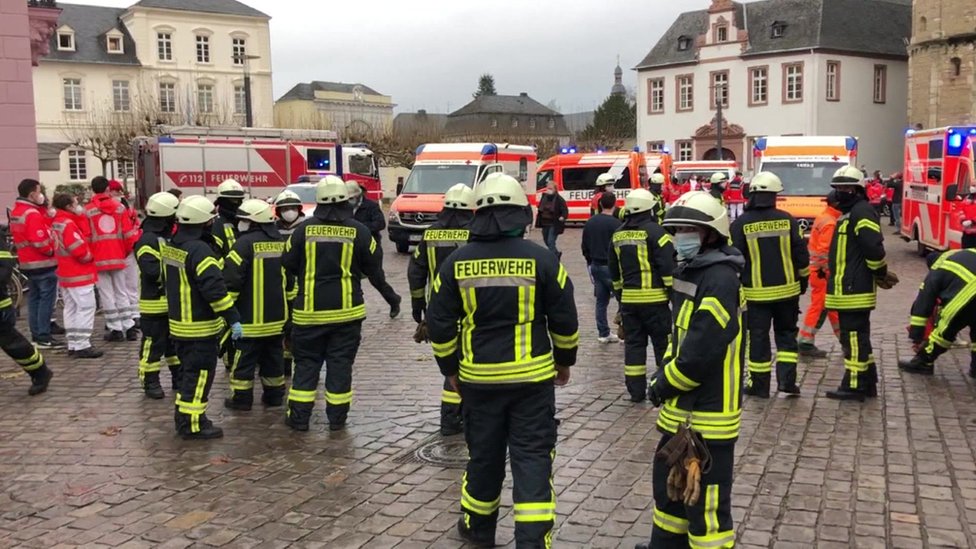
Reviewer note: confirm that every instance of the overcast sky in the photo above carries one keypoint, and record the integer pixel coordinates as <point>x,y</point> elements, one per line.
<point>428,54</point>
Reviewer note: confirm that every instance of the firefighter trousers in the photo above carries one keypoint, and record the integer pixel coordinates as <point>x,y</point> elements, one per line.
<point>708,523</point>
<point>450,407</point>
<point>523,419</point>
<point>114,294</point>
<point>640,323</point>
<point>18,347</point>
<point>264,355</point>
<point>860,373</point>
<point>946,330</point>
<point>336,345</point>
<point>384,288</point>
<point>157,349</point>
<point>79,316</point>
<point>198,363</point>
<point>816,313</point>
<point>782,317</point>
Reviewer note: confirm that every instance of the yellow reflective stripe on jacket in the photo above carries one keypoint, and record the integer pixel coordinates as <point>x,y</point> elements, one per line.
<point>866,224</point>
<point>533,370</point>
<point>564,342</point>
<point>711,425</point>
<point>222,304</point>
<point>875,265</point>
<point>196,329</point>
<point>918,321</point>
<point>562,276</point>
<point>644,295</point>
<point>851,301</point>
<point>313,318</point>
<point>153,306</point>
<point>263,330</point>
<point>445,349</point>
<point>772,293</point>
<point>678,379</point>
<point>715,307</point>
<point>207,263</point>
<point>6,302</point>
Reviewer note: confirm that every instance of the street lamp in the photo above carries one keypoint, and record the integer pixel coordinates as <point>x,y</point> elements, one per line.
<point>721,94</point>
<point>245,60</point>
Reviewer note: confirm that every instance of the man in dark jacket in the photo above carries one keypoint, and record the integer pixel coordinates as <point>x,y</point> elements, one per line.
<point>597,235</point>
<point>552,216</point>
<point>502,322</point>
<point>896,186</point>
<point>369,213</point>
<point>12,342</point>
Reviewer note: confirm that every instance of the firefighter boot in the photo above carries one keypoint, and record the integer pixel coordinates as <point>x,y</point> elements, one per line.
<point>786,378</point>
<point>240,399</point>
<point>921,363</point>
<point>207,429</point>
<point>298,415</point>
<point>845,392</point>
<point>757,385</point>
<point>637,387</point>
<point>475,538</point>
<point>451,423</point>
<point>152,387</point>
<point>39,380</point>
<point>272,397</point>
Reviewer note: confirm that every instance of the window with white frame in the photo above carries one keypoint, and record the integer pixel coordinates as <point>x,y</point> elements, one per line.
<point>240,100</point>
<point>684,151</point>
<point>655,146</point>
<point>880,83</point>
<point>686,93</point>
<point>793,83</point>
<point>720,89</point>
<point>239,46</point>
<point>66,40</point>
<point>203,48</point>
<point>532,123</point>
<point>72,94</point>
<point>77,165</point>
<point>120,95</point>
<point>655,95</point>
<point>833,80</point>
<point>114,44</point>
<point>514,122</point>
<point>164,46</point>
<point>205,98</point>
<point>758,86</point>
<point>494,123</point>
<point>722,34</point>
<point>167,97</point>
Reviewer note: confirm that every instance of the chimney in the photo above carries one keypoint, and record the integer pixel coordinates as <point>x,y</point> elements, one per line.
<point>422,112</point>
<point>523,94</point>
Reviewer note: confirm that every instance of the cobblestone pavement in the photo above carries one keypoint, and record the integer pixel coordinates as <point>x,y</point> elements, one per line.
<point>93,463</point>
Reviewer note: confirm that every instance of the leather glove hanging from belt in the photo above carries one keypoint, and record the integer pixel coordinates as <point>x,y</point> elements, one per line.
<point>688,457</point>
<point>619,321</point>
<point>888,281</point>
<point>420,334</point>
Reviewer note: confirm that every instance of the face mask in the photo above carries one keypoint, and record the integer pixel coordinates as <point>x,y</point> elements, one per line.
<point>289,215</point>
<point>51,212</point>
<point>78,210</point>
<point>551,191</point>
<point>687,244</point>
<point>38,199</point>
<point>656,188</point>
<point>718,188</point>
<point>243,226</point>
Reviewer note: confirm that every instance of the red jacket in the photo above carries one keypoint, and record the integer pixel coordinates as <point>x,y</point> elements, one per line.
<point>965,210</point>
<point>733,191</point>
<point>875,191</point>
<point>31,230</point>
<point>76,266</point>
<point>112,232</point>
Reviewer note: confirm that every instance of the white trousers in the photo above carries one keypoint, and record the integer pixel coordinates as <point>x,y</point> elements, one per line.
<point>132,285</point>
<point>79,316</point>
<point>114,294</point>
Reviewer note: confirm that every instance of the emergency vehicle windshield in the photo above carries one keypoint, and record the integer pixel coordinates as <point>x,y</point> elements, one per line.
<point>804,178</point>
<point>700,175</point>
<point>584,178</point>
<point>361,164</point>
<point>438,178</point>
<point>305,192</point>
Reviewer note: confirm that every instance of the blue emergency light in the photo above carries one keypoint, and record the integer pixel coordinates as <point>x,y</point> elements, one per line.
<point>666,150</point>
<point>420,149</point>
<point>490,148</point>
<point>954,144</point>
<point>761,144</point>
<point>636,148</point>
<point>850,143</point>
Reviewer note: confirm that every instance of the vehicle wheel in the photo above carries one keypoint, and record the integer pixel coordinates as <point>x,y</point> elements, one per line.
<point>15,291</point>
<point>402,247</point>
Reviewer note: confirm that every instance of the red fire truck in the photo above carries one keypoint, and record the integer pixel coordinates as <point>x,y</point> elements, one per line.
<point>939,167</point>
<point>196,160</point>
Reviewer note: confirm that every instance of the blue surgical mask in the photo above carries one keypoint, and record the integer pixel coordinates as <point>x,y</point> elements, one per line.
<point>687,245</point>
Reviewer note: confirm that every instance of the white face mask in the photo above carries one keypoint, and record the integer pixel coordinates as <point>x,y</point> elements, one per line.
<point>78,210</point>
<point>243,226</point>
<point>289,215</point>
<point>51,212</point>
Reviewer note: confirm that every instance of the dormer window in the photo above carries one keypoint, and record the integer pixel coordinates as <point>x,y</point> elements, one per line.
<point>779,29</point>
<point>684,43</point>
<point>114,44</point>
<point>66,40</point>
<point>722,34</point>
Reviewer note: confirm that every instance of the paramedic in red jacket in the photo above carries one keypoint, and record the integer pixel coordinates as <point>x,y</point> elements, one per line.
<point>131,274</point>
<point>965,212</point>
<point>30,228</point>
<point>112,239</point>
<point>76,276</point>
<point>876,191</point>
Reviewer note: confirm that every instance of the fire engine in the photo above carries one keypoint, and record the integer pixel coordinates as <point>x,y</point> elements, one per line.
<point>575,176</point>
<point>196,160</point>
<point>806,164</point>
<point>939,166</point>
<point>438,167</point>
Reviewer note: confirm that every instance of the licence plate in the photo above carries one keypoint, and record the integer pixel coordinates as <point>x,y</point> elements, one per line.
<point>414,238</point>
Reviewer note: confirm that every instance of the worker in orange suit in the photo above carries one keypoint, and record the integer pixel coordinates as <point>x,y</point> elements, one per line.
<point>819,246</point>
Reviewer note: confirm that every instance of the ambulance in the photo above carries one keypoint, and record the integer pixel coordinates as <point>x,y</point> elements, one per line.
<point>940,165</point>
<point>702,171</point>
<point>438,167</point>
<point>805,164</point>
<point>264,160</point>
<point>575,176</point>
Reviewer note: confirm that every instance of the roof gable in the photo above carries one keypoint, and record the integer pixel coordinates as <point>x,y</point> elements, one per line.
<point>505,104</point>
<point>225,7</point>
<point>305,91</point>
<point>90,25</point>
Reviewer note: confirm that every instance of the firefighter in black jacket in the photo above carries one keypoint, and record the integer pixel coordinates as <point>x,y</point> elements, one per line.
<point>157,347</point>
<point>641,265</point>
<point>716,187</point>
<point>17,347</point>
<point>699,384</point>
<point>199,309</point>
<point>776,274</point>
<point>950,285</point>
<point>449,233</point>
<point>369,213</point>
<point>230,195</point>
<point>656,186</point>
<point>328,255</point>
<point>503,325</point>
<point>857,267</point>
<point>288,208</point>
<point>258,285</point>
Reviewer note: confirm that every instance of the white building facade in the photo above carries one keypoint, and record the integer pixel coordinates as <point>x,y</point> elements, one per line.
<point>776,72</point>
<point>112,72</point>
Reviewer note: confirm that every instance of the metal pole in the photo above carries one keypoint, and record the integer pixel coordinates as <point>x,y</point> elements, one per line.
<point>719,90</point>
<point>247,98</point>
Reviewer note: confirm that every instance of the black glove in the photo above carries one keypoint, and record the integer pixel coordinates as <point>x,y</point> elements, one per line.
<point>653,396</point>
<point>820,274</point>
<point>418,305</point>
<point>804,284</point>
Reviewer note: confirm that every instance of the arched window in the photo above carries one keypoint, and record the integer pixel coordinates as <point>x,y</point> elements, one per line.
<point>923,23</point>
<point>956,64</point>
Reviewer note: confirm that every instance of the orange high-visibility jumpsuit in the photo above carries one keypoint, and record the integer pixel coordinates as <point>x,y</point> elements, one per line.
<point>819,246</point>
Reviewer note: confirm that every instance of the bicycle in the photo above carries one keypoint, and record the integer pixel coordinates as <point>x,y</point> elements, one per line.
<point>17,285</point>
